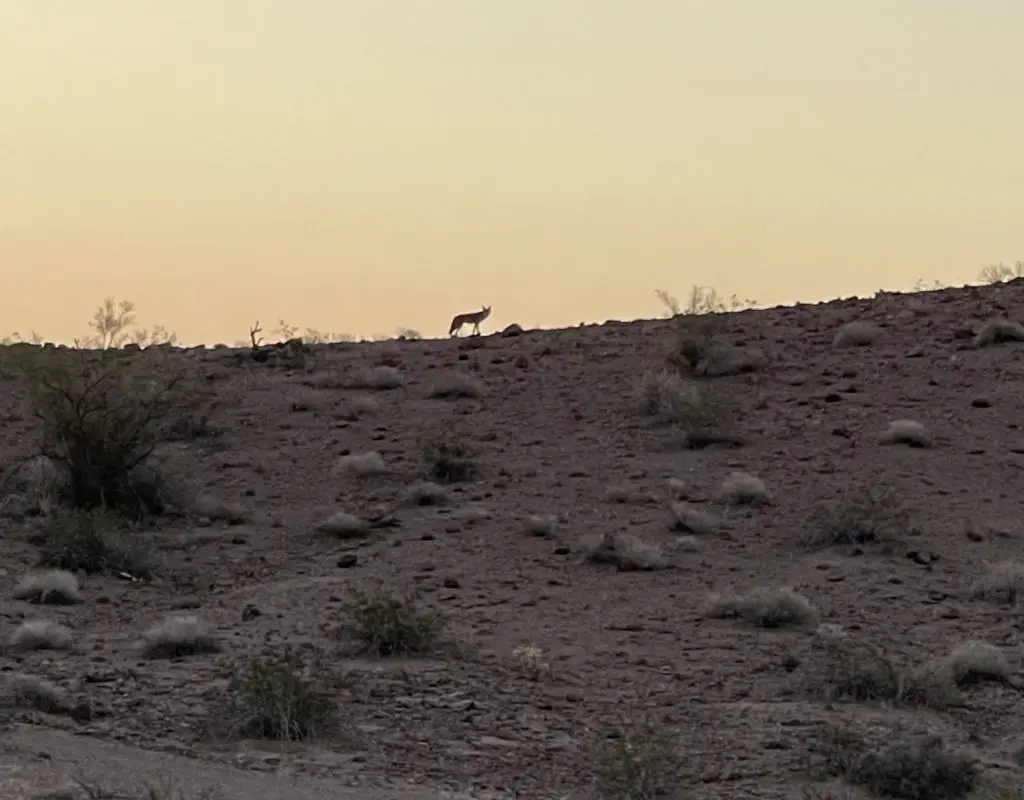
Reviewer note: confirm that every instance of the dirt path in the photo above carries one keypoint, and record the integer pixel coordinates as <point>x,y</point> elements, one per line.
<point>36,760</point>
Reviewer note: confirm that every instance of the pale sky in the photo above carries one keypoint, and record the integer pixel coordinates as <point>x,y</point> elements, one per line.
<point>364,165</point>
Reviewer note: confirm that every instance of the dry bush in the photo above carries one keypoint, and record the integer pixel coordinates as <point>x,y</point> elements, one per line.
<point>1000,273</point>
<point>94,541</point>
<point>41,634</point>
<point>345,526</point>
<point>862,673</point>
<point>541,525</point>
<point>179,636</point>
<point>1002,583</point>
<point>908,769</point>
<point>692,520</point>
<point>381,378</point>
<point>743,489</point>
<point>627,553</point>
<point>872,515</point>
<point>428,493</point>
<point>975,662</point>
<point>701,412</point>
<point>635,762</point>
<point>857,334</point>
<point>102,415</point>
<point>55,587</point>
<point>530,659</point>
<point>386,626</point>
<point>359,407</point>
<point>456,385</point>
<point>273,701</point>
<point>449,457</point>
<point>21,691</point>
<point>997,331</point>
<point>362,464</point>
<point>763,607</point>
<point>908,432</point>
<point>694,328</point>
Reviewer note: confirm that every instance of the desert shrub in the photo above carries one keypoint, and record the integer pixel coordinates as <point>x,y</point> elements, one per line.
<point>908,432</point>
<point>695,326</point>
<point>93,541</point>
<point>763,607</point>
<point>449,457</point>
<point>55,587</point>
<point>697,410</point>
<point>41,634</point>
<point>362,465</point>
<point>1000,273</point>
<point>179,636</point>
<point>531,661</point>
<point>102,414</point>
<point>624,551</point>
<point>30,692</point>
<point>997,331</point>
<point>743,489</point>
<point>387,626</point>
<point>634,763</point>
<point>428,493</point>
<point>1003,582</point>
<point>870,515</point>
<point>456,385</point>
<point>273,701</point>
<point>382,378</point>
<point>857,333</point>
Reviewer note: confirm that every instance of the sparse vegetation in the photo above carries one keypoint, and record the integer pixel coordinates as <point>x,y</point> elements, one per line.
<point>428,493</point>
<point>857,334</point>
<point>743,489</point>
<point>872,515</point>
<point>273,701</point>
<point>627,553</point>
<point>94,541</point>
<point>390,626</point>
<point>1002,583</point>
<point>449,457</point>
<point>702,413</point>
<point>908,432</point>
<point>456,385</point>
<point>381,378</point>
<point>179,636</point>
<point>531,661</point>
<point>55,587</point>
<point>997,331</point>
<point>22,691</point>
<point>763,607</point>
<point>635,762</point>
<point>1000,273</point>
<point>40,634</point>
<point>362,464</point>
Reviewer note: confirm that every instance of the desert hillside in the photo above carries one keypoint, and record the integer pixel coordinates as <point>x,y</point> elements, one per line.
<point>759,554</point>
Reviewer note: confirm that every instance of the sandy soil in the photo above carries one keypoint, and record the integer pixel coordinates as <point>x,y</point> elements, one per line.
<point>557,425</point>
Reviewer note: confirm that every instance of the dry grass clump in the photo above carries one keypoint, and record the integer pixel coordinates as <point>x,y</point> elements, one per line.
<point>273,701</point>
<point>362,465</point>
<point>694,327</point>
<point>997,331</point>
<point>693,520</point>
<point>764,607</point>
<point>21,691</point>
<point>697,410</point>
<point>41,634</point>
<point>862,673</point>
<point>456,385</point>
<point>542,525</point>
<point>449,457</point>
<point>358,407</point>
<point>871,515</point>
<point>1002,583</point>
<point>627,553</point>
<point>923,769</point>
<point>179,636</point>
<point>975,662</point>
<point>55,587</point>
<point>636,762</point>
<point>94,541</point>
<point>857,334</point>
<point>428,493</point>
<point>102,414</point>
<point>387,626</point>
<point>381,378</point>
<point>908,432</point>
<point>531,661</point>
<point>743,489</point>
<point>345,526</point>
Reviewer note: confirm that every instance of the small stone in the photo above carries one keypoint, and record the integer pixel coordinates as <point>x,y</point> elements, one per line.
<point>348,560</point>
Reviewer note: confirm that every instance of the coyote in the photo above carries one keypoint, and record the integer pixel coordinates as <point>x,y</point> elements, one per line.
<point>465,319</point>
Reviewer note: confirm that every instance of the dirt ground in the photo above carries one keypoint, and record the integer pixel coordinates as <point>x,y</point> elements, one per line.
<point>560,431</point>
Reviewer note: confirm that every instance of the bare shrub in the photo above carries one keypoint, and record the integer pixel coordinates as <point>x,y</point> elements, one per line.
<point>449,457</point>
<point>273,701</point>
<point>542,525</point>
<point>385,625</point>
<point>381,378</point>
<point>743,489</point>
<point>362,464</point>
<point>359,407</point>
<point>692,520</point>
<point>872,515</point>
<point>456,385</point>
<point>975,662</point>
<point>94,541</point>
<point>1002,583</point>
<point>31,692</point>
<point>55,587</point>
<point>531,661</point>
<point>857,334</point>
<point>695,326</point>
<point>627,553</point>
<point>997,331</point>
<point>908,432</point>
<point>635,762</point>
<point>179,636</point>
<point>102,414</point>
<point>764,607</point>
<point>41,634</point>
<point>345,525</point>
<point>1000,273</point>
<point>914,770</point>
<point>699,411</point>
<point>428,493</point>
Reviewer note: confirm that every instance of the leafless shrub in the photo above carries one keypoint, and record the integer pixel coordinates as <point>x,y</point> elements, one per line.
<point>871,515</point>
<point>1002,583</point>
<point>743,489</point>
<point>857,334</point>
<point>764,607</point>
<point>55,587</point>
<point>362,464</point>
<point>381,378</point>
<point>997,331</point>
<point>635,762</point>
<point>692,520</point>
<point>428,493</point>
<point>345,525</point>
<point>456,385</point>
<point>542,525</point>
<point>625,552</point>
<point>908,432</point>
<point>179,636</point>
<point>41,634</point>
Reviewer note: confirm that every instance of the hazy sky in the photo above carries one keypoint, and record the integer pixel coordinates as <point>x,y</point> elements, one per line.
<point>360,165</point>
